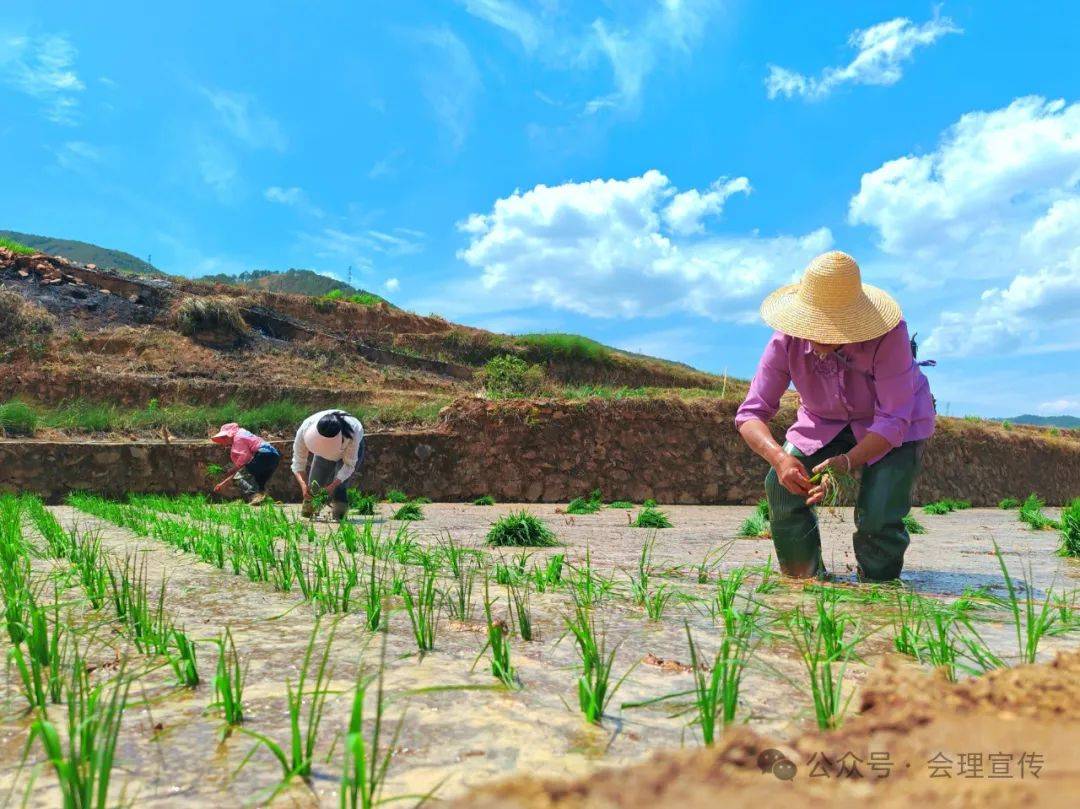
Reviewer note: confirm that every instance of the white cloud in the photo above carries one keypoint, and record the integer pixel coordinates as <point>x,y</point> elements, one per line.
<point>999,199</point>
<point>605,248</point>
<point>77,155</point>
<point>686,210</point>
<point>392,285</point>
<point>43,68</point>
<point>509,16</point>
<point>294,197</point>
<point>450,82</point>
<point>356,247</point>
<point>387,166</point>
<point>243,119</point>
<point>217,166</point>
<point>1061,406</point>
<point>882,50</point>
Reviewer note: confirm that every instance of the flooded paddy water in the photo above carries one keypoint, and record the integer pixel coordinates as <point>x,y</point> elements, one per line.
<point>457,727</point>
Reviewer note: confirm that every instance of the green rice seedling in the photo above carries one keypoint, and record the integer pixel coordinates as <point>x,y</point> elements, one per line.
<point>396,496</point>
<point>229,680</point>
<point>651,518</point>
<point>840,487</point>
<point>727,588</point>
<point>214,470</point>
<point>303,726</point>
<point>768,582</point>
<point>649,503</point>
<point>32,676</point>
<point>421,500</point>
<point>457,557</point>
<point>1031,621</point>
<point>825,651</point>
<point>1031,512</point>
<point>485,500</point>
<point>409,512</point>
<point>366,761</point>
<point>549,575</point>
<point>938,507</point>
<point>589,588</point>
<point>639,585</point>
<point>183,660</point>
<point>926,631</point>
<point>84,765</point>
<point>1067,606</point>
<point>586,505</point>
<point>373,600</point>
<point>913,526</point>
<point>757,524</point>
<point>423,611</point>
<point>656,602</point>
<point>460,603</point>
<point>89,563</point>
<point>595,688</point>
<point>362,504</point>
<point>623,504</point>
<point>1009,503</point>
<point>521,609</point>
<point>521,529</point>
<point>319,498</point>
<point>1070,530</point>
<point>716,692</point>
<point>499,642</point>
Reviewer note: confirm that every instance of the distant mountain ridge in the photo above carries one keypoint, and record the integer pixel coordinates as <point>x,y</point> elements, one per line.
<point>294,281</point>
<point>1069,422</point>
<point>84,252</point>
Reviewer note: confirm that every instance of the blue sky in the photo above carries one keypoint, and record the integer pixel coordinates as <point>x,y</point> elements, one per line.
<point>641,171</point>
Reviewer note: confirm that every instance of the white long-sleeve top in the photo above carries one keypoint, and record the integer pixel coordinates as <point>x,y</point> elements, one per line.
<point>350,447</point>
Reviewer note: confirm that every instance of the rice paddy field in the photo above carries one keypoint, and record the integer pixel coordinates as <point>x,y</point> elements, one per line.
<point>173,652</point>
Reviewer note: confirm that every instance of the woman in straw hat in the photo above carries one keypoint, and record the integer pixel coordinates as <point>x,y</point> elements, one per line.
<point>865,404</point>
<point>334,441</point>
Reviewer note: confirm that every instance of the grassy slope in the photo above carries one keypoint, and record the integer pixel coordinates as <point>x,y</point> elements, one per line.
<point>292,281</point>
<point>1070,422</point>
<point>84,252</point>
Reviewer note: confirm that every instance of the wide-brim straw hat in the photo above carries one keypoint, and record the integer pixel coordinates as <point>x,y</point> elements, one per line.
<point>831,304</point>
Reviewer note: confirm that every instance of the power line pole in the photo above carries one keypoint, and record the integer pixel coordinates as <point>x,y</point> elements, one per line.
<point>350,275</point>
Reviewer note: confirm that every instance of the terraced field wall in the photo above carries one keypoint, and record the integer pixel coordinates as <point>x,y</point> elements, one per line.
<point>520,451</point>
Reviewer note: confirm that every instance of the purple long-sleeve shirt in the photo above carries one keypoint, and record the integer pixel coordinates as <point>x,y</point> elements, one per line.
<point>875,386</point>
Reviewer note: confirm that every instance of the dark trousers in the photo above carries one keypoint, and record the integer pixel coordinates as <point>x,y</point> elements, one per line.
<point>253,478</point>
<point>884,499</point>
<point>323,471</point>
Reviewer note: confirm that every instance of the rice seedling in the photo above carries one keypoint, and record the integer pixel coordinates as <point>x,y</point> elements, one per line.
<point>521,609</point>
<point>1009,503</point>
<point>499,643</point>
<point>1031,512</point>
<point>586,505</point>
<point>595,688</point>
<point>84,766</point>
<point>229,680</point>
<point>1031,622</point>
<point>362,504</point>
<point>727,589</point>
<point>839,487</point>
<point>396,496</point>
<point>183,660</point>
<point>423,611</point>
<point>639,585</point>
<point>825,651</point>
<point>716,693</point>
<point>409,512</point>
<point>460,602</point>
<point>913,526</point>
<point>649,503</point>
<point>1070,530</point>
<point>303,727</point>
<point>589,588</point>
<point>757,524</point>
<point>549,575</point>
<point>365,761</point>
<point>926,631</point>
<point>373,600</point>
<point>946,506</point>
<point>485,500</point>
<point>768,582</point>
<point>623,504</point>
<point>656,602</point>
<point>521,529</point>
<point>651,518</point>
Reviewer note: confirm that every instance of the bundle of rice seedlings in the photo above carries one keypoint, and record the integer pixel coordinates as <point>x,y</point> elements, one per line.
<point>1009,503</point>
<point>757,525</point>
<point>521,529</point>
<point>1070,530</point>
<point>586,505</point>
<point>651,518</point>
<point>485,500</point>
<point>362,504</point>
<point>409,511</point>
<point>913,526</point>
<point>1031,512</point>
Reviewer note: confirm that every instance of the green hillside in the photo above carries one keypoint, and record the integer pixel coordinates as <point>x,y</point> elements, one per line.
<point>84,252</point>
<point>1069,422</point>
<point>297,282</point>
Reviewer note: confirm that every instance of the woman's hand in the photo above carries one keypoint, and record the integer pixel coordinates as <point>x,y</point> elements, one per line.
<point>305,494</point>
<point>220,486</point>
<point>792,474</point>
<point>840,463</point>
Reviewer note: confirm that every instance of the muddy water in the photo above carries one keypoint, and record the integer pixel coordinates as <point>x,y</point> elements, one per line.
<point>171,750</point>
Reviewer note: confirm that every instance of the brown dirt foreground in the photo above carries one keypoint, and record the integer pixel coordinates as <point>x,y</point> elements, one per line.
<point>1025,723</point>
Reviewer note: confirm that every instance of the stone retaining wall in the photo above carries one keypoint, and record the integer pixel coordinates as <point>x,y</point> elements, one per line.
<point>670,450</point>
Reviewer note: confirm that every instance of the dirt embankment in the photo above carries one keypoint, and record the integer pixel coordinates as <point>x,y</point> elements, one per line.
<point>1006,739</point>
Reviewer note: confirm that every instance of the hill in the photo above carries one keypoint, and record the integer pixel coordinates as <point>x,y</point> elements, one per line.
<point>292,281</point>
<point>84,252</point>
<point>1069,422</point>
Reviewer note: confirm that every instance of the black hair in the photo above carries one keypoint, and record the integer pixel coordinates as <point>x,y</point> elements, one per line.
<point>333,423</point>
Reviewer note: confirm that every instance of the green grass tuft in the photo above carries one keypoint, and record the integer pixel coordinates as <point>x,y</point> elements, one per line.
<point>409,511</point>
<point>651,518</point>
<point>1009,503</point>
<point>1070,530</point>
<point>362,504</point>
<point>485,500</point>
<point>586,505</point>
<point>18,418</point>
<point>16,247</point>
<point>757,525</point>
<point>521,529</point>
<point>620,504</point>
<point>913,526</point>
<point>946,506</point>
<point>1031,512</point>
